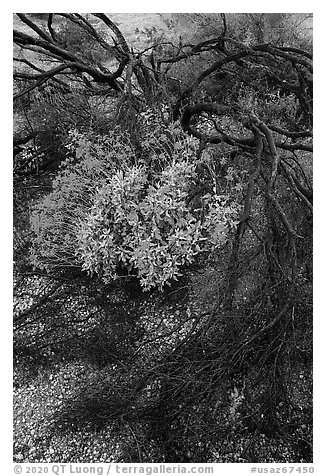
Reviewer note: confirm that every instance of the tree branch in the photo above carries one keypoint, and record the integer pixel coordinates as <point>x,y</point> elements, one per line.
<point>34,27</point>
<point>113,27</point>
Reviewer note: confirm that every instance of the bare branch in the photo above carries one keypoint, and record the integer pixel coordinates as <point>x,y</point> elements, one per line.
<point>52,33</point>
<point>113,27</point>
<point>46,74</point>
<point>30,88</point>
<point>34,27</point>
<point>74,62</point>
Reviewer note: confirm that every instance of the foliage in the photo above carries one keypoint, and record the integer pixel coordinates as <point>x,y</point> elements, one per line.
<point>190,160</point>
<point>50,115</point>
<point>55,219</point>
<point>107,215</point>
<point>80,42</point>
<point>148,228</point>
<point>277,28</point>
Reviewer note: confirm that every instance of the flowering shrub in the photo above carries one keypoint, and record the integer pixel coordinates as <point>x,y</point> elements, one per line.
<point>55,219</point>
<point>108,212</point>
<point>220,219</point>
<point>148,227</point>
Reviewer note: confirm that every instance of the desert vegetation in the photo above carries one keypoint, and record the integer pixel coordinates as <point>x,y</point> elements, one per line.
<point>162,238</point>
